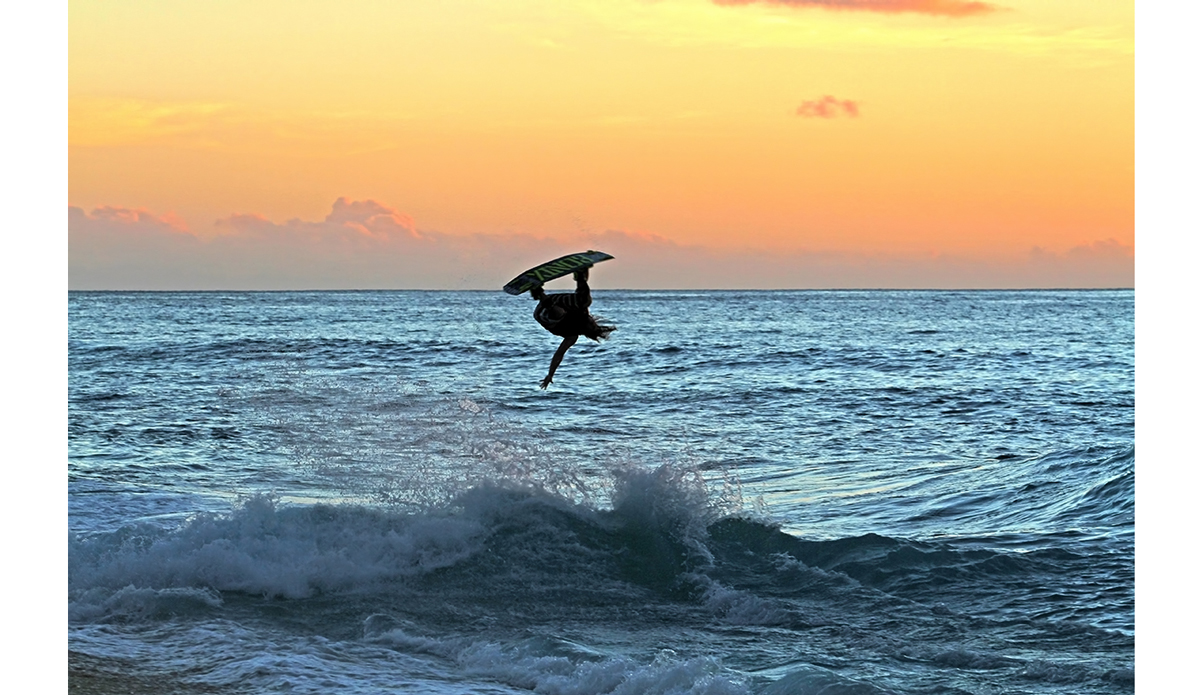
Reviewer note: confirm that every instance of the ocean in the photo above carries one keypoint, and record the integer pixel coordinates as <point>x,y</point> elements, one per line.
<point>771,492</point>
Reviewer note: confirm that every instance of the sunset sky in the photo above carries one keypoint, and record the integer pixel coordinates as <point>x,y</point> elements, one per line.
<point>705,143</point>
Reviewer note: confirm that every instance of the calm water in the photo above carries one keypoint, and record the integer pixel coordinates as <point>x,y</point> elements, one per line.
<point>740,492</point>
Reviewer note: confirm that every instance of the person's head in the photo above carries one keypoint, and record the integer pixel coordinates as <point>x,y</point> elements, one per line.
<point>597,331</point>
<point>537,292</point>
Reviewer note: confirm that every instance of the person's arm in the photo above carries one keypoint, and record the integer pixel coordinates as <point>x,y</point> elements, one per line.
<point>566,344</point>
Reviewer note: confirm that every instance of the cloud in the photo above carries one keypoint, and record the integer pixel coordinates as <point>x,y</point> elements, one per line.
<point>946,8</point>
<point>117,242</point>
<point>350,223</point>
<point>368,245</point>
<point>1107,262</point>
<point>650,262</point>
<point>138,220</point>
<point>370,217</point>
<point>358,245</point>
<point>827,107</point>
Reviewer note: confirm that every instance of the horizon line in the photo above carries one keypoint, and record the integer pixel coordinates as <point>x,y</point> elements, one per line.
<point>625,289</point>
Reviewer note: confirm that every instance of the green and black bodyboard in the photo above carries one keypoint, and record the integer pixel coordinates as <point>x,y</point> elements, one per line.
<point>551,270</point>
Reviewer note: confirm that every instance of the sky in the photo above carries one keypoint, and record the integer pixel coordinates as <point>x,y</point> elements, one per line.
<point>297,144</point>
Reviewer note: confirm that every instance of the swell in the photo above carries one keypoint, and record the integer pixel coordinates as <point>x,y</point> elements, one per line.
<point>1086,489</point>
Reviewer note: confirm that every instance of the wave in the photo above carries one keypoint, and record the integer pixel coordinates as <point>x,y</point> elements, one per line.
<point>667,536</point>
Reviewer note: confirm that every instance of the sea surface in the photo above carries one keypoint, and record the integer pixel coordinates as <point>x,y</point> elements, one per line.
<point>775,492</point>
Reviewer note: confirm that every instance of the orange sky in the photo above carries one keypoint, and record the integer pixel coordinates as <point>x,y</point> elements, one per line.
<point>892,130</point>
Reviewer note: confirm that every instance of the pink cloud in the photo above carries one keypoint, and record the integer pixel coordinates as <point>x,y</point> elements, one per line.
<point>827,107</point>
<point>946,8</point>
<point>132,218</point>
<point>371,218</point>
<point>349,221</point>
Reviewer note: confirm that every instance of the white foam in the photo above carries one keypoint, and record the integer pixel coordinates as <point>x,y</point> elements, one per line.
<point>131,602</point>
<point>555,666</point>
<point>290,552</point>
<point>743,608</point>
<point>813,680</point>
<point>618,675</point>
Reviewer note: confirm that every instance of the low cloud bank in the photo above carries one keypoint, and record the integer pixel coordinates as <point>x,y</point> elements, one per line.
<point>366,245</point>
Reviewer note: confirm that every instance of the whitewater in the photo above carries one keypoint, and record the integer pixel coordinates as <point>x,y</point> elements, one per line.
<point>770,492</point>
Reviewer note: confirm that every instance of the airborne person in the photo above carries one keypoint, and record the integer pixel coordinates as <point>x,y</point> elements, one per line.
<point>566,314</point>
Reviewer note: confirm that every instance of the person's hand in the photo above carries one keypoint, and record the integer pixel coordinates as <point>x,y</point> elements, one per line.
<point>546,382</point>
<point>581,275</point>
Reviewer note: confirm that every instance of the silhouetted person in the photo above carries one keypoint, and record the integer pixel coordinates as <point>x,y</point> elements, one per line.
<point>566,314</point>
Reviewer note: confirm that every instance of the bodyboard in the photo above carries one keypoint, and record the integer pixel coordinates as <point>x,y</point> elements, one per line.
<point>550,270</point>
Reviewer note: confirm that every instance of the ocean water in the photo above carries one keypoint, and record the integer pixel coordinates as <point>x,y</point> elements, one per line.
<point>835,492</point>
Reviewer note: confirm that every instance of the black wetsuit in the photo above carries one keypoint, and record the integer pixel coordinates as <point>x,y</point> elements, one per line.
<point>573,306</point>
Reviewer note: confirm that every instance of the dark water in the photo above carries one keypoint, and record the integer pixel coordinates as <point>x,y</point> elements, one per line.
<point>740,492</point>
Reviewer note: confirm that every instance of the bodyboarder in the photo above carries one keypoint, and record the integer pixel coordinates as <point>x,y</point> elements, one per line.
<point>566,314</point>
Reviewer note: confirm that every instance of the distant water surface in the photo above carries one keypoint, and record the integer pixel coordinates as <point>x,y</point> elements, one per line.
<point>741,492</point>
